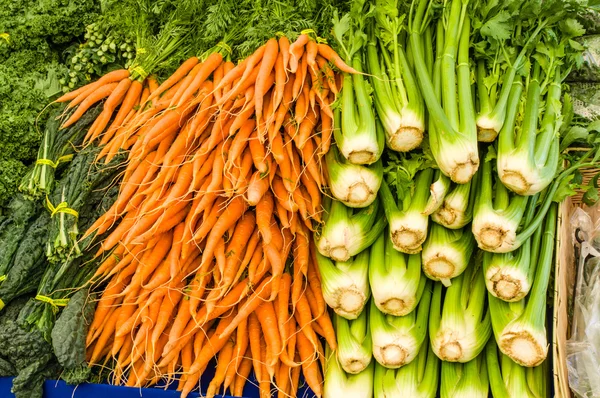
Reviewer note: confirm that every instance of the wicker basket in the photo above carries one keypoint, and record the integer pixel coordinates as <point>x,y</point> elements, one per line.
<point>564,284</point>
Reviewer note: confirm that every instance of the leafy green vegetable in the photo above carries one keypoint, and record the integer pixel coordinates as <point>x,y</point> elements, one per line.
<point>13,227</point>
<point>27,352</point>
<point>69,333</point>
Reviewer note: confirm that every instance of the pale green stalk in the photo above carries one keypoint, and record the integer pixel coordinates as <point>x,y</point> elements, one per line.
<point>396,279</point>
<point>345,284</point>
<point>418,379</point>
<point>459,323</point>
<point>398,339</point>
<point>347,232</point>
<point>446,253</point>
<point>355,349</point>
<point>408,225</point>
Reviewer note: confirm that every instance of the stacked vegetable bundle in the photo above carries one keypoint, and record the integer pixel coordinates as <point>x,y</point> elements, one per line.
<point>466,98</point>
<point>212,255</point>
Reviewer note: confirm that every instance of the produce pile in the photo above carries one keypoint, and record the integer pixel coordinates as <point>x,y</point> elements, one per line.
<point>359,196</point>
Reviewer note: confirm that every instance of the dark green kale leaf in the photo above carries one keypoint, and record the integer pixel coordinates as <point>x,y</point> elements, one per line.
<point>69,333</point>
<point>27,352</point>
<point>29,261</point>
<point>6,368</point>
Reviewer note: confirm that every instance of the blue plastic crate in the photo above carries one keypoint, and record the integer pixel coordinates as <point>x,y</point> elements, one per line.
<point>60,389</point>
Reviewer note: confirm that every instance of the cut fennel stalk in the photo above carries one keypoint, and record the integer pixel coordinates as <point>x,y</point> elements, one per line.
<point>459,322</point>
<point>358,139</point>
<point>408,225</point>
<point>465,380</point>
<point>437,192</point>
<point>395,278</point>
<point>528,161</point>
<point>340,384</point>
<point>509,276</point>
<point>453,141</point>
<point>418,379</point>
<point>495,224</point>
<point>355,349</point>
<point>456,208</point>
<point>511,380</point>
<point>446,253</point>
<point>347,232</point>
<point>345,283</point>
<point>397,98</point>
<point>497,215</point>
<point>520,327</point>
<point>398,339</point>
<point>352,184</point>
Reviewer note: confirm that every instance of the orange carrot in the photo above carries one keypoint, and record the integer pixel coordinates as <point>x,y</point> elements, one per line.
<point>98,94</point>
<point>266,66</point>
<point>330,55</point>
<point>310,367</point>
<point>296,50</point>
<point>178,75</point>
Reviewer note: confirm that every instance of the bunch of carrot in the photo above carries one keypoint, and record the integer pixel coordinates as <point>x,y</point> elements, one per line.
<point>212,254</point>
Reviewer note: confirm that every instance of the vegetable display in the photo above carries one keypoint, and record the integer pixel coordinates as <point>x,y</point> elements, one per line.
<point>336,198</point>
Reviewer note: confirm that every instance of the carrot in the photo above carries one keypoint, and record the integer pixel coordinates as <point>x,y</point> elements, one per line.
<point>255,336</point>
<point>223,363</point>
<point>306,129</point>
<point>241,174</point>
<point>131,98</point>
<point>264,212</point>
<point>280,80</point>
<point>295,381</point>
<point>330,55</point>
<point>282,215</point>
<point>311,55</point>
<point>268,321</point>
<point>178,75</point>
<point>296,50</point>
<point>242,375</point>
<point>235,249</point>
<point>241,346</point>
<point>98,94</point>
<point>301,81</point>
<point>282,304</point>
<point>213,310</point>
<point>284,49</point>
<point>235,209</point>
<point>114,99</point>
<point>215,343</point>
<point>169,304</point>
<point>105,305</point>
<point>304,319</point>
<point>310,367</point>
<point>264,385</point>
<point>239,143</point>
<point>107,333</point>
<point>260,294</point>
<point>258,152</point>
<point>110,77</point>
<point>257,187</point>
<point>268,62</point>
<point>208,67</point>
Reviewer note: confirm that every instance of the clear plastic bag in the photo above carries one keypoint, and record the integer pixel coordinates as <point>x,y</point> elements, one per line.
<point>583,348</point>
